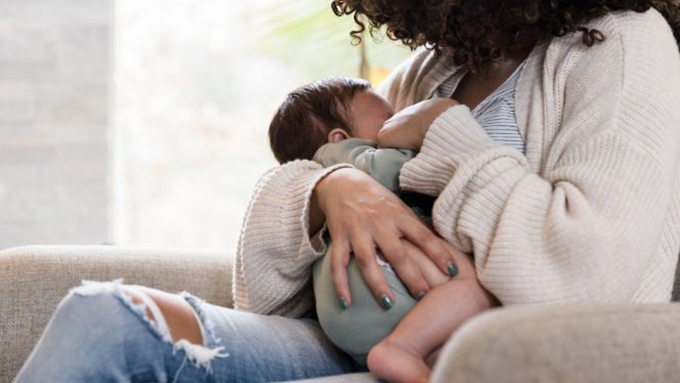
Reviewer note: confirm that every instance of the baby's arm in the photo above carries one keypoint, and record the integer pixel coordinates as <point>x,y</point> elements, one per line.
<point>384,165</point>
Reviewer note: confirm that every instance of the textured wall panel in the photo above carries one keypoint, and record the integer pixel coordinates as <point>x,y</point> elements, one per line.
<point>54,95</point>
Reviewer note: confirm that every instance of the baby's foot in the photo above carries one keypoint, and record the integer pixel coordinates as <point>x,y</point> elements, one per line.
<point>395,364</point>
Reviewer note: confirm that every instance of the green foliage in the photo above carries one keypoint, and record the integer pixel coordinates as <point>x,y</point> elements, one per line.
<point>306,34</point>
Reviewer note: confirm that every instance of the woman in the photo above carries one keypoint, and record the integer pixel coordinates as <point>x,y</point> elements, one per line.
<point>582,210</point>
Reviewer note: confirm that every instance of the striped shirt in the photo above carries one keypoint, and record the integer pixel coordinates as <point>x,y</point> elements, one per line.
<point>496,114</point>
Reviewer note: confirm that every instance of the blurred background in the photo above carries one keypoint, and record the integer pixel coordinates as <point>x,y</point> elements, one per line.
<point>145,122</point>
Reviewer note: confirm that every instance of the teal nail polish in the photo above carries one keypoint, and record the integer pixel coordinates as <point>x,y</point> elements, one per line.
<point>421,295</point>
<point>343,303</point>
<point>386,302</point>
<point>453,270</point>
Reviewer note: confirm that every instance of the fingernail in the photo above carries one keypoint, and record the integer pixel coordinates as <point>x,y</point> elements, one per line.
<point>453,270</point>
<point>421,295</point>
<point>343,303</point>
<point>386,302</point>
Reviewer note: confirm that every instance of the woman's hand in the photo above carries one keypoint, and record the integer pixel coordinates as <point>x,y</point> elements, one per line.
<point>362,215</point>
<point>407,129</point>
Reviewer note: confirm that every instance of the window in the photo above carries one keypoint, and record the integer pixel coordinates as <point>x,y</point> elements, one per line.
<point>195,85</point>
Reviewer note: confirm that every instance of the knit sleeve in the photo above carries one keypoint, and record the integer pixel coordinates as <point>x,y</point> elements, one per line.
<point>272,267</point>
<point>587,225</point>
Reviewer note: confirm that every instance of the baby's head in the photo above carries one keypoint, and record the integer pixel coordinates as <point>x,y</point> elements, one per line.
<point>326,111</point>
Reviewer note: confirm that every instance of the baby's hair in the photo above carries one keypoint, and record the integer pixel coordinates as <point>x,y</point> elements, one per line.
<point>302,123</point>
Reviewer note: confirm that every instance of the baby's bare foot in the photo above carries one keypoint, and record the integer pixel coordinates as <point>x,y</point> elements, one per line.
<point>396,364</point>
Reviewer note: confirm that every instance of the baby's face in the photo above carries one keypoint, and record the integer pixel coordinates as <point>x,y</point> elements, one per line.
<point>369,111</point>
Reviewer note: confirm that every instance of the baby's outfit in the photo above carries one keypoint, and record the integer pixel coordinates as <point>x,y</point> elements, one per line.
<point>361,326</point>
<point>383,165</point>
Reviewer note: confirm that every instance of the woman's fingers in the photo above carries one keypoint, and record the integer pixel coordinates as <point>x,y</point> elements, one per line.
<point>361,213</point>
<point>409,272</point>
<point>340,255</point>
<point>366,257</point>
<point>434,247</point>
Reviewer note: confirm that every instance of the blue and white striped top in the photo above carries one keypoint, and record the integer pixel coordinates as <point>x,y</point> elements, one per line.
<point>496,114</point>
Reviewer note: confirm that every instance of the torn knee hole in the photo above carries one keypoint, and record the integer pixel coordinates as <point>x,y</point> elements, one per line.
<point>197,353</point>
<point>140,299</point>
<point>152,311</point>
<point>179,316</point>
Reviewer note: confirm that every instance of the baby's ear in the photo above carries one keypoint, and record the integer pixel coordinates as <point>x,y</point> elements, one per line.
<point>337,135</point>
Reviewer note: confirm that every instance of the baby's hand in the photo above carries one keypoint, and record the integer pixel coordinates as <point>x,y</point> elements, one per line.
<point>407,129</point>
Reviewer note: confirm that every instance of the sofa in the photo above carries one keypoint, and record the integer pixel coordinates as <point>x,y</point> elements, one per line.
<point>605,343</point>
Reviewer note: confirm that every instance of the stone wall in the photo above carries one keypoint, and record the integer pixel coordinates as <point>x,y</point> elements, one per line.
<point>54,85</point>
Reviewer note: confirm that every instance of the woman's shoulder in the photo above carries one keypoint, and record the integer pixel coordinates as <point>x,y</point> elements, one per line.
<point>631,23</point>
<point>634,44</point>
<point>635,67</point>
<point>626,31</point>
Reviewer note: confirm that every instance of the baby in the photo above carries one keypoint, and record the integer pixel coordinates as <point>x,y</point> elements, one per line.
<point>337,121</point>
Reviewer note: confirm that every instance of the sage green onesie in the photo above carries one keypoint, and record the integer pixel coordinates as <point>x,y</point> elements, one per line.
<point>359,327</point>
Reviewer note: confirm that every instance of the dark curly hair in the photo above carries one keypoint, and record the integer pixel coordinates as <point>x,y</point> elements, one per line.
<point>465,25</point>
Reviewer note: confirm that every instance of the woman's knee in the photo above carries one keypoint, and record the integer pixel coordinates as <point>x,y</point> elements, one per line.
<point>170,312</point>
<point>170,317</point>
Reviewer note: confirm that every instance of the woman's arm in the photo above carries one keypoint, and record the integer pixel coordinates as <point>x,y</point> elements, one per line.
<point>278,244</point>
<point>586,228</point>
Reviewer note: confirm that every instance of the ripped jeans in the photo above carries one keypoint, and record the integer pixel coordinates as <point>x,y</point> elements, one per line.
<point>98,334</point>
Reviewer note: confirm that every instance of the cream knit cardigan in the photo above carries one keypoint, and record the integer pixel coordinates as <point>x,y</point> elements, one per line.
<point>591,213</point>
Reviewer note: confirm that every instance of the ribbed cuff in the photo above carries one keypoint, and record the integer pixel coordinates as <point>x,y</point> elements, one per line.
<point>454,138</point>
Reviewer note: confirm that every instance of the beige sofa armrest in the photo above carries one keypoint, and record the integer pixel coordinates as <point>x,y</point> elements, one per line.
<point>610,343</point>
<point>34,279</point>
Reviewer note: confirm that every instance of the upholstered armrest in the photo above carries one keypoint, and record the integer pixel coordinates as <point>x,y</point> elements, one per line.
<point>610,343</point>
<point>34,279</point>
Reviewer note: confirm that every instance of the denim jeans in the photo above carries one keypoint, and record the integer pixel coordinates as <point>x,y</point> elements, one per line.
<point>97,334</point>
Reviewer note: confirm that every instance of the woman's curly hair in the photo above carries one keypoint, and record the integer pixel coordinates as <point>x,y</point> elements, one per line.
<point>466,25</point>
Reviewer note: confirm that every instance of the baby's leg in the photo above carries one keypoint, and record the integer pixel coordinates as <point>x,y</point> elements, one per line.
<point>401,356</point>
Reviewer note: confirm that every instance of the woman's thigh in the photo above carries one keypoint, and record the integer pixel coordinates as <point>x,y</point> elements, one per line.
<point>98,334</point>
